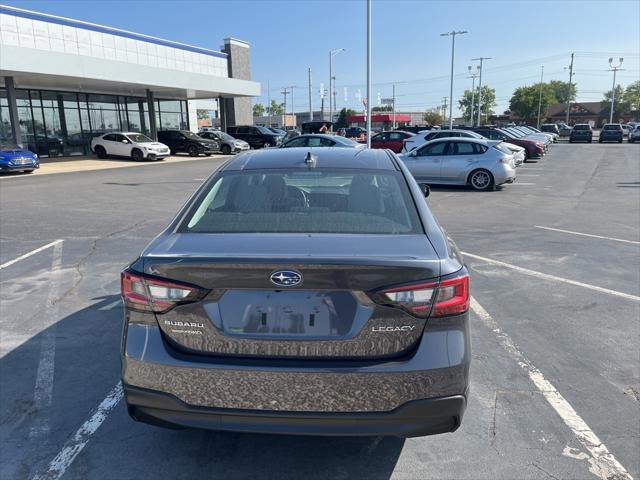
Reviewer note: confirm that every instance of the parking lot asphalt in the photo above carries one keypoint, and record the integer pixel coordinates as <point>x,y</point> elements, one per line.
<point>555,387</point>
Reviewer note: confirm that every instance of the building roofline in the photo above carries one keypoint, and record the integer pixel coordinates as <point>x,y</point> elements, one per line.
<point>45,17</point>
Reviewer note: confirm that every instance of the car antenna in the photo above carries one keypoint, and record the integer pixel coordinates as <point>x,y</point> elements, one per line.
<point>310,160</point>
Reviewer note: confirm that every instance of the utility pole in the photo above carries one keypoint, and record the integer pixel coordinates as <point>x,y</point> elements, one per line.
<point>452,34</point>
<point>540,96</point>
<point>614,69</point>
<point>480,86</point>
<point>310,101</point>
<point>285,93</point>
<point>473,90</point>
<point>368,127</point>
<point>335,104</point>
<point>444,108</point>
<point>332,53</point>
<point>293,115</point>
<point>322,101</point>
<point>393,96</point>
<point>569,99</point>
<point>269,103</point>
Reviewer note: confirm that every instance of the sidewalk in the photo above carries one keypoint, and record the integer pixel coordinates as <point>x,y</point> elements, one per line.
<point>87,163</point>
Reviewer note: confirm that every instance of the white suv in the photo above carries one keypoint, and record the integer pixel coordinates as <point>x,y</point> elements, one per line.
<point>128,144</point>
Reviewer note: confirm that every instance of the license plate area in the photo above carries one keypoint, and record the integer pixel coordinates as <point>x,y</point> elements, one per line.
<point>286,314</point>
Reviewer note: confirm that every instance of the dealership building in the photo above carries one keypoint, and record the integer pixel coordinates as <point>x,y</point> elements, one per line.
<point>64,81</point>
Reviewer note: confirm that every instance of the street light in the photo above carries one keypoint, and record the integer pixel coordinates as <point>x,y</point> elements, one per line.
<point>332,53</point>
<point>473,87</point>
<point>480,87</point>
<point>540,96</point>
<point>452,34</point>
<point>614,69</point>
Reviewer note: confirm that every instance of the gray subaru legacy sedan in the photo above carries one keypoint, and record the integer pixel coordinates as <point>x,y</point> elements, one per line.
<point>300,293</point>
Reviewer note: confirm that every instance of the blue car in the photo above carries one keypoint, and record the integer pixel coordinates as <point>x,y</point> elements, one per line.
<point>14,158</point>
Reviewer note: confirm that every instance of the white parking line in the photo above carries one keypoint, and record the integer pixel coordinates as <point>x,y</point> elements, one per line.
<point>44,377</point>
<point>603,463</point>
<point>111,305</point>
<point>553,278</point>
<point>27,255</point>
<point>521,183</point>
<point>588,235</point>
<point>80,438</point>
<point>527,175</point>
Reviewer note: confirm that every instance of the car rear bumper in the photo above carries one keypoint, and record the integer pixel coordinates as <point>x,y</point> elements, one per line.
<point>297,396</point>
<point>413,419</point>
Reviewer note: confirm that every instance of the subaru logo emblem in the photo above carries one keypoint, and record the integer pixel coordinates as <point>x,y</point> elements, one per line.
<point>286,278</point>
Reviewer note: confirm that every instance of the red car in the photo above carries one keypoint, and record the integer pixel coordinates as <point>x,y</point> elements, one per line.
<point>391,140</point>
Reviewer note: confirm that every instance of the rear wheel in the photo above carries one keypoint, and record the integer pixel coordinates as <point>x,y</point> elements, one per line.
<point>136,155</point>
<point>266,145</point>
<point>100,151</point>
<point>481,180</point>
<point>226,150</point>
<point>193,151</point>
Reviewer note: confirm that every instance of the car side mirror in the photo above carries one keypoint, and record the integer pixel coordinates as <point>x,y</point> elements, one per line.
<point>125,141</point>
<point>426,191</point>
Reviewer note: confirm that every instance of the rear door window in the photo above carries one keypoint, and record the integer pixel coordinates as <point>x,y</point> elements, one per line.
<point>433,149</point>
<point>302,201</point>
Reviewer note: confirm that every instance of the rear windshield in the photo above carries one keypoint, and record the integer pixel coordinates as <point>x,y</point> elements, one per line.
<point>612,127</point>
<point>303,201</point>
<point>582,127</point>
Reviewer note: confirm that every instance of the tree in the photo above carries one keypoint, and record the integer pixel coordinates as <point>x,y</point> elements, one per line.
<point>433,118</point>
<point>202,114</point>
<point>562,91</point>
<point>488,102</point>
<point>382,108</point>
<point>342,118</point>
<point>632,95</point>
<point>258,110</point>
<point>275,108</point>
<point>524,101</point>
<point>621,106</point>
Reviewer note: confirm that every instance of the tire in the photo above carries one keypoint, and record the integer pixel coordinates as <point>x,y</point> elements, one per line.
<point>100,151</point>
<point>620,141</point>
<point>599,141</point>
<point>193,151</point>
<point>226,150</point>
<point>590,140</point>
<point>570,141</point>
<point>481,180</point>
<point>266,145</point>
<point>136,155</point>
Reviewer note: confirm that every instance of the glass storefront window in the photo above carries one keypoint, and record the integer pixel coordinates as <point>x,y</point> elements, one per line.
<point>63,123</point>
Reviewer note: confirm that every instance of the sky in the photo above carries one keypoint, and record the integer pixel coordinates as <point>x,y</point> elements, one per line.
<point>288,37</point>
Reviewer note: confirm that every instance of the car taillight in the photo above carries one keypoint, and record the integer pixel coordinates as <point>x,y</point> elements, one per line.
<point>150,294</point>
<point>449,297</point>
<point>452,297</point>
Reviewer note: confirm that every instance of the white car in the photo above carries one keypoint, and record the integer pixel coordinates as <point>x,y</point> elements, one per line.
<point>634,135</point>
<point>128,144</point>
<point>625,130</point>
<point>411,143</point>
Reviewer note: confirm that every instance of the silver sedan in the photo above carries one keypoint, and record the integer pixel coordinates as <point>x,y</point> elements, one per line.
<point>482,164</point>
<point>320,140</point>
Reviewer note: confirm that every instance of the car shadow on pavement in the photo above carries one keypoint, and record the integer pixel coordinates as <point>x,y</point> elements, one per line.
<point>87,367</point>
<point>628,184</point>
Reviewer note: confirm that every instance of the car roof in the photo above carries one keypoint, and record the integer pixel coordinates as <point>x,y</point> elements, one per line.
<point>327,157</point>
<point>481,141</point>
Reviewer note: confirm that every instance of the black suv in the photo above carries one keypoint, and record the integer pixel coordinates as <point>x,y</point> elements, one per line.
<point>581,132</point>
<point>256,137</point>
<point>611,132</point>
<point>188,142</point>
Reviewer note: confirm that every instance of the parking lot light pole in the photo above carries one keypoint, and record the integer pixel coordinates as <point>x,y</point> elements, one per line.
<point>368,126</point>
<point>310,100</point>
<point>452,34</point>
<point>332,53</point>
<point>614,69</point>
<point>540,96</point>
<point>480,86</point>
